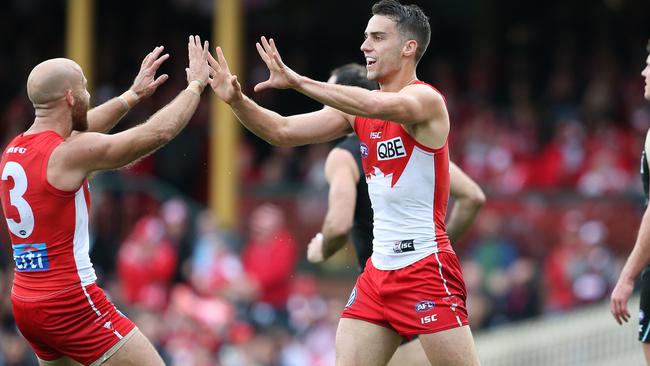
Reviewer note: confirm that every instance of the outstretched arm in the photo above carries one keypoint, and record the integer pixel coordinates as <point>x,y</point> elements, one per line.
<point>320,126</point>
<point>84,153</point>
<point>342,175</point>
<point>469,199</point>
<point>105,116</point>
<point>411,105</point>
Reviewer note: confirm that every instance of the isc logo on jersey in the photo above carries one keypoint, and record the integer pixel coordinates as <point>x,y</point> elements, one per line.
<point>390,149</point>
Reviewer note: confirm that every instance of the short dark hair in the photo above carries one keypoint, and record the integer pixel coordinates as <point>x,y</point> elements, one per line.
<point>354,75</point>
<point>647,48</point>
<point>411,21</point>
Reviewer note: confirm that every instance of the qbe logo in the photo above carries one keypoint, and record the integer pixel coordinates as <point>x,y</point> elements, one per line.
<point>390,149</point>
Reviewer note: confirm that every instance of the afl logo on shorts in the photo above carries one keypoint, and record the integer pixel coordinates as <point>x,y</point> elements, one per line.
<point>424,306</point>
<point>353,296</point>
<point>363,149</point>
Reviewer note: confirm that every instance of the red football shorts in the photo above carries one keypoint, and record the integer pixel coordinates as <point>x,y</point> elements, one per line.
<point>427,296</point>
<point>80,323</point>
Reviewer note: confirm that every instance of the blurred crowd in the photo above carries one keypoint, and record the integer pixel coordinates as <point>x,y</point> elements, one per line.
<point>206,296</point>
<point>550,120</point>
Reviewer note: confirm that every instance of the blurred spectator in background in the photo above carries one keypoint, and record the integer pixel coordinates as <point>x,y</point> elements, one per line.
<point>146,265</point>
<point>269,259</point>
<point>176,220</point>
<point>216,269</point>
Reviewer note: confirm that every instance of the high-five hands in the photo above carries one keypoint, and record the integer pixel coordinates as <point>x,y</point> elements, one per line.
<point>228,88</point>
<point>281,76</point>
<point>198,69</point>
<point>146,83</point>
<point>222,81</point>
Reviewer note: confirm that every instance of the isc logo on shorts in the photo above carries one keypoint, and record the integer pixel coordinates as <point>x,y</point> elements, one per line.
<point>390,149</point>
<point>429,319</point>
<point>31,257</point>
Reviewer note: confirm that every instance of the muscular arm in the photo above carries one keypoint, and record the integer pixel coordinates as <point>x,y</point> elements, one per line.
<point>104,117</point>
<point>320,126</point>
<point>342,175</point>
<point>640,255</point>
<point>84,153</point>
<point>469,199</point>
<point>72,161</point>
<point>638,259</point>
<point>411,105</point>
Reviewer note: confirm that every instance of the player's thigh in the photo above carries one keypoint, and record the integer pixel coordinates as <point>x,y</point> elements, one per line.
<point>452,347</point>
<point>410,353</point>
<point>137,351</point>
<point>361,343</point>
<point>63,361</point>
<point>646,353</point>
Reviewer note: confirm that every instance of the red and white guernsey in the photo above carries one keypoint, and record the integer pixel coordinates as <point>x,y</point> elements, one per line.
<point>48,226</point>
<point>408,184</point>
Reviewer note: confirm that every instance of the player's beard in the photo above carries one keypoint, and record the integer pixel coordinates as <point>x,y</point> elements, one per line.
<point>79,114</point>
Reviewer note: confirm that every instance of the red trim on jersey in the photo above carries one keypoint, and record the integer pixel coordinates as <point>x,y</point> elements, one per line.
<point>441,199</point>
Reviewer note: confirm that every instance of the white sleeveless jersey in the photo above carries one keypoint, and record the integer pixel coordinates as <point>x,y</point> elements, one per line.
<point>408,184</point>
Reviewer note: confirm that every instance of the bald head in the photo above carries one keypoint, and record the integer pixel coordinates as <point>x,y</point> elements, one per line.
<point>51,79</point>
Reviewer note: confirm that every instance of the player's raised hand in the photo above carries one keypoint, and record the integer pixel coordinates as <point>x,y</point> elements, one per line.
<point>145,82</point>
<point>198,68</point>
<point>281,76</point>
<point>223,82</point>
<point>620,296</point>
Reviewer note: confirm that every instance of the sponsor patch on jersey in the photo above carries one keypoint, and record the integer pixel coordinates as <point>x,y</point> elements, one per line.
<point>31,257</point>
<point>390,149</point>
<point>363,149</point>
<point>641,315</point>
<point>424,306</point>
<point>403,246</point>
<point>16,150</point>
<point>353,296</point>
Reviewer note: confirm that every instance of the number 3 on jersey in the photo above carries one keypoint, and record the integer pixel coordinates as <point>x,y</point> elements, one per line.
<point>25,227</point>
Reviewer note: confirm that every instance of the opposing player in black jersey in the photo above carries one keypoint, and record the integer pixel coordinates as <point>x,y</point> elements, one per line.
<point>640,256</point>
<point>350,213</point>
